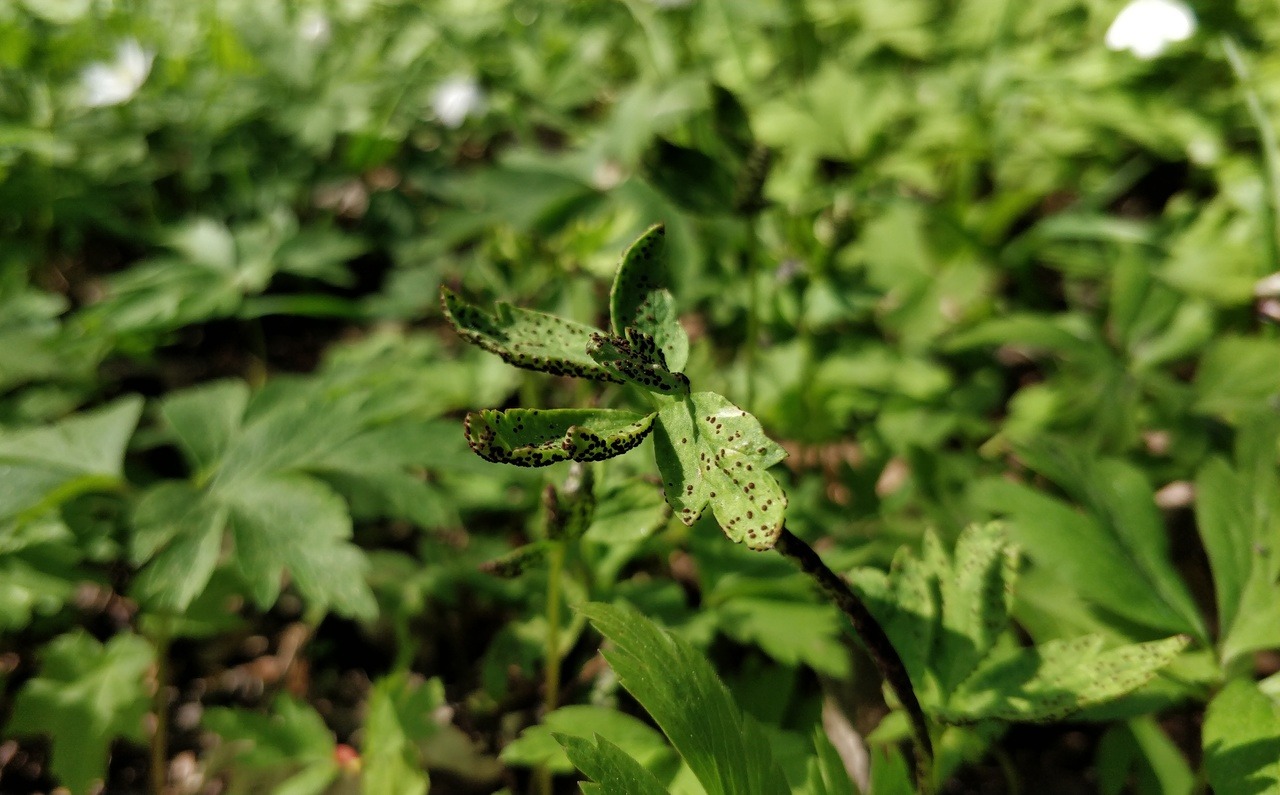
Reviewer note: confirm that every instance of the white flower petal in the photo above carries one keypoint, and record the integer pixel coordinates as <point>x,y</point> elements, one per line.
<point>1147,27</point>
<point>116,82</point>
<point>314,28</point>
<point>455,99</point>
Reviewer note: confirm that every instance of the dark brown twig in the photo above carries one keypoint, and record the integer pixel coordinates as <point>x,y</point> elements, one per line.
<point>868,630</point>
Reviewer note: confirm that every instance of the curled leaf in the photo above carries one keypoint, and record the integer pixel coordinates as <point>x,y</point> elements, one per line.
<point>536,438</point>
<point>638,299</point>
<point>528,339</point>
<point>637,358</point>
<point>517,561</point>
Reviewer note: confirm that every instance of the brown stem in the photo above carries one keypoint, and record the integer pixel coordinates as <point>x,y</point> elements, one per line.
<point>868,630</point>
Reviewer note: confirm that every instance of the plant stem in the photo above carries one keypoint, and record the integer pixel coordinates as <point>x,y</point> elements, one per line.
<point>160,703</point>
<point>551,681</point>
<point>873,638</point>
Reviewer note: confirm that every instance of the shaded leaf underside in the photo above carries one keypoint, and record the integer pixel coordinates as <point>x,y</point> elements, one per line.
<point>528,339</point>
<point>536,438</point>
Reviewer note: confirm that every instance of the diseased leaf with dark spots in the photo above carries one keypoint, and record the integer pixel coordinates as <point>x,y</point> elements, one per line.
<point>528,339</point>
<point>711,451</point>
<point>536,438</point>
<point>517,561</point>
<point>636,358</point>
<point>638,299</point>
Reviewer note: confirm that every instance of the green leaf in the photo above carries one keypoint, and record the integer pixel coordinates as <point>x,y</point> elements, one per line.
<point>609,767</point>
<point>711,451</point>
<point>1124,514</point>
<point>398,718</point>
<point>179,531</point>
<point>1238,516</point>
<point>528,339</point>
<point>86,695</point>
<point>44,466</point>
<point>628,512</point>
<point>948,622</point>
<point>206,419</point>
<point>976,599</point>
<point>639,299</point>
<point>636,358</point>
<point>1237,376</point>
<point>537,438</point>
<point>1156,761</point>
<point>827,773</point>
<point>727,752</point>
<point>541,744</point>
<point>39,580</point>
<point>297,524</point>
<point>1083,551</point>
<point>292,741</point>
<point>1058,677</point>
<point>788,631</point>
<point>1242,741</point>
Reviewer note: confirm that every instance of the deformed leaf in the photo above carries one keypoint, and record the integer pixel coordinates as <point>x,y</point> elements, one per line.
<point>711,451</point>
<point>525,338</point>
<point>570,509</point>
<point>635,357</point>
<point>639,300</point>
<point>537,438</point>
<point>517,561</point>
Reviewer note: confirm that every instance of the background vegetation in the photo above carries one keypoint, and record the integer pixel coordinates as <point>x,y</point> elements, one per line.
<point>960,259</point>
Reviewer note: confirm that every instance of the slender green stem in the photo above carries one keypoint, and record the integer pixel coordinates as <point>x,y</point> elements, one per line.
<point>1270,144</point>
<point>160,703</point>
<point>753,316</point>
<point>874,640</point>
<point>551,680</point>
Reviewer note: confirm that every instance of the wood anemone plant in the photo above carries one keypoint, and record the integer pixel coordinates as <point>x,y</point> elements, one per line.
<point>709,452</point>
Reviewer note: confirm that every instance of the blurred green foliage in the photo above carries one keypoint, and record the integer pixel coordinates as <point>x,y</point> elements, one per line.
<point>959,258</point>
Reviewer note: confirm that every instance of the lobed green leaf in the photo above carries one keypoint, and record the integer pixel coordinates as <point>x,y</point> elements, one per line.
<point>709,451</point>
<point>86,695</point>
<point>537,438</point>
<point>712,452</point>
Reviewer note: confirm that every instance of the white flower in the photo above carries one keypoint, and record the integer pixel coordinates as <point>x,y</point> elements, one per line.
<point>314,28</point>
<point>1147,27</point>
<point>116,82</point>
<point>455,99</point>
